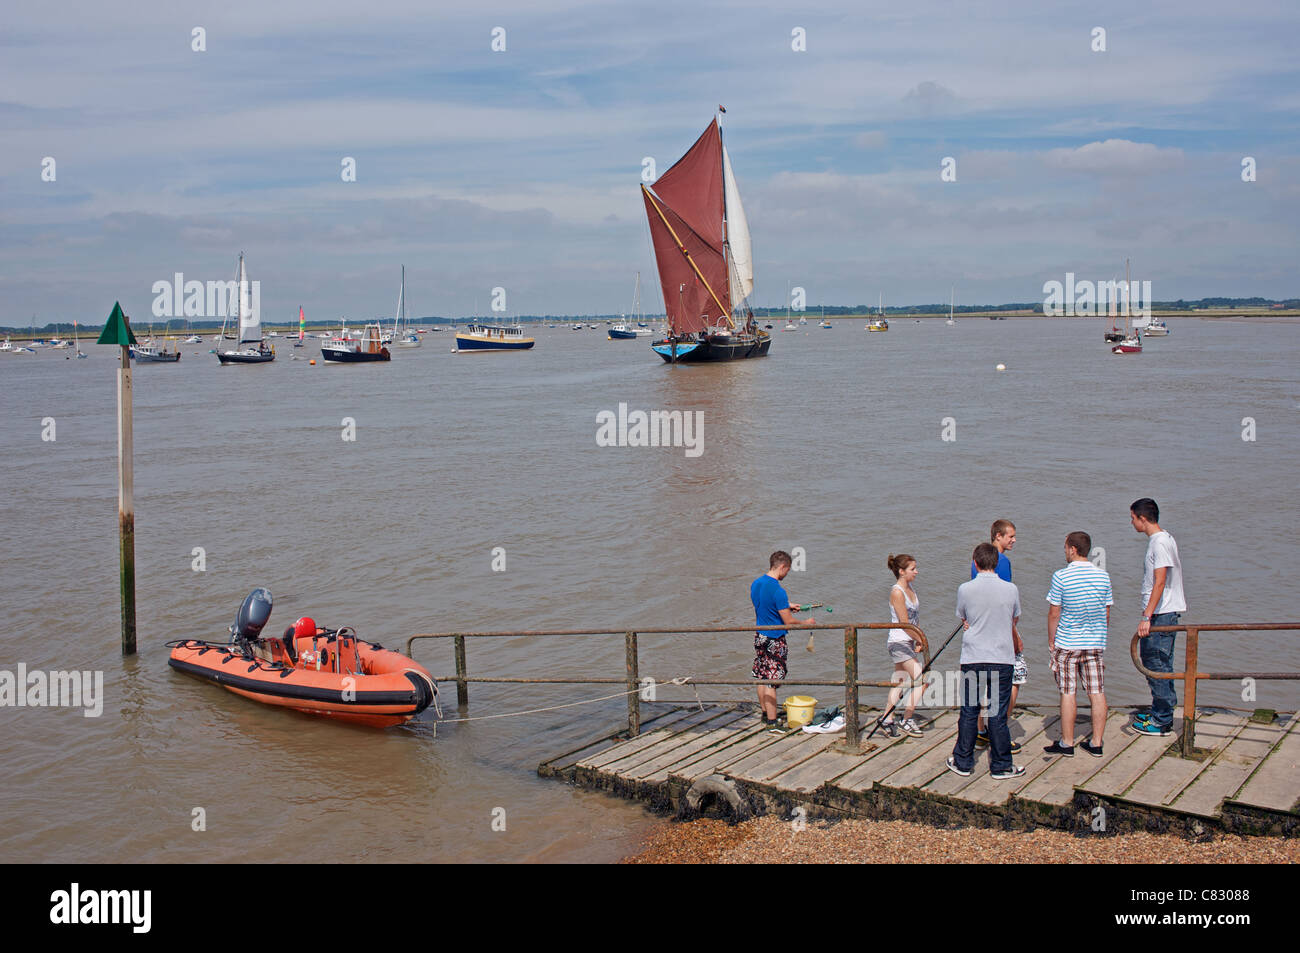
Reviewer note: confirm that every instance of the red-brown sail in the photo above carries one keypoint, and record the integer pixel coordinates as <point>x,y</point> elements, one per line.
<point>685,209</point>
<point>692,301</point>
<point>693,187</point>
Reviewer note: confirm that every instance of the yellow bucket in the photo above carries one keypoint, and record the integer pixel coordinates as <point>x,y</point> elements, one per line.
<point>799,710</point>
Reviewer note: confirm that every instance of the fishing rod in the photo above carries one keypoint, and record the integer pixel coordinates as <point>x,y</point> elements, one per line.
<point>933,658</point>
<point>807,608</point>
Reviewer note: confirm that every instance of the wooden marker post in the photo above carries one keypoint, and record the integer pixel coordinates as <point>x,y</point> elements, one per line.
<point>118,331</point>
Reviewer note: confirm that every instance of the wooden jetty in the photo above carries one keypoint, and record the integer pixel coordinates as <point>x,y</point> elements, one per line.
<point>690,760</point>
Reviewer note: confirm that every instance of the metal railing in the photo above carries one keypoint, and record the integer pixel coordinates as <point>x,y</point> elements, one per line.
<point>1191,675</point>
<point>632,678</point>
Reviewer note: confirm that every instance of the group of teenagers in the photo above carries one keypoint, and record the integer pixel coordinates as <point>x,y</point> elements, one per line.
<point>992,654</point>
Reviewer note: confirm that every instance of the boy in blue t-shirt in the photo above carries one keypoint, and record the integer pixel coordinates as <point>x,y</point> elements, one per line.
<point>771,607</point>
<point>1003,536</point>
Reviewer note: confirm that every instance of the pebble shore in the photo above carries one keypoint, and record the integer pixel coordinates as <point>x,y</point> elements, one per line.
<point>766,840</point>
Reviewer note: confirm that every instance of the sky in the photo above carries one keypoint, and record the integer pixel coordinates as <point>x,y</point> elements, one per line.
<point>519,168</point>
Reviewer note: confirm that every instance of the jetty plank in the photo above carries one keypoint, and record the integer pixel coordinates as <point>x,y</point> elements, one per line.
<point>1056,787</point>
<point>896,752</point>
<point>646,739</point>
<point>606,741</point>
<point>914,770</point>
<point>939,737</point>
<point>1229,771</point>
<point>1122,771</point>
<point>1169,773</point>
<point>709,762</point>
<point>823,768</point>
<point>677,735</point>
<point>658,767</point>
<point>789,752</point>
<point>1038,729</point>
<point>1275,785</point>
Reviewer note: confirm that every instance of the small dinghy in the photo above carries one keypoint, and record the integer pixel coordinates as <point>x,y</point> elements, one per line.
<point>309,669</point>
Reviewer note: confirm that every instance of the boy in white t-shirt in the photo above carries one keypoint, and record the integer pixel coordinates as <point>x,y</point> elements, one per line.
<point>1163,602</point>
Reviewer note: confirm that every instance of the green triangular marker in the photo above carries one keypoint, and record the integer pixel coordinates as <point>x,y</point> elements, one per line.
<point>116,331</point>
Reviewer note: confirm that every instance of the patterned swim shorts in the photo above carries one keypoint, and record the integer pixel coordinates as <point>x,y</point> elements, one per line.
<point>769,657</point>
<point>1075,667</point>
<point>1020,670</point>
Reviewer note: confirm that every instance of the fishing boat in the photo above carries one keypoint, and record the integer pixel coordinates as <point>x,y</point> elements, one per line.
<point>705,257</point>
<point>1156,329</point>
<point>625,330</point>
<point>150,353</point>
<point>250,327</point>
<point>494,337</point>
<point>879,323</point>
<point>6,347</point>
<point>403,336</point>
<point>311,669</point>
<point>346,349</point>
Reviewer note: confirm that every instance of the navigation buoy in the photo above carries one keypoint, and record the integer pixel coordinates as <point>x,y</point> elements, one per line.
<point>1001,367</point>
<point>312,361</point>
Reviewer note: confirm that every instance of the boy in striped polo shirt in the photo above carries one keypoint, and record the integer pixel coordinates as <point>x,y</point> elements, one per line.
<point>1080,599</point>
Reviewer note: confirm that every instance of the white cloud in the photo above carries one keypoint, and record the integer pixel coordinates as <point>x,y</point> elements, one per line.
<point>1115,157</point>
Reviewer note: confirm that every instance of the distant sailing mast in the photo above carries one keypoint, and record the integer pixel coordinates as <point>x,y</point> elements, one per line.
<point>705,257</point>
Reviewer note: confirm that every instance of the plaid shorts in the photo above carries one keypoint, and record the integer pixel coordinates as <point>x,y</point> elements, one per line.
<point>769,658</point>
<point>1074,667</point>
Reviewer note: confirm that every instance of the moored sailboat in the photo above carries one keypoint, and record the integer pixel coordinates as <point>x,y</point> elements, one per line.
<point>250,327</point>
<point>403,336</point>
<point>705,258</point>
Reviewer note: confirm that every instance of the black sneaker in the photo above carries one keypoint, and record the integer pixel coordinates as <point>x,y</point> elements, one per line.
<point>982,739</point>
<point>1095,752</point>
<point>1015,747</point>
<point>1016,771</point>
<point>890,728</point>
<point>1057,748</point>
<point>952,766</point>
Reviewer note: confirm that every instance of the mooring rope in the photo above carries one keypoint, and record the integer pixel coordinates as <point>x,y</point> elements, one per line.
<point>679,680</point>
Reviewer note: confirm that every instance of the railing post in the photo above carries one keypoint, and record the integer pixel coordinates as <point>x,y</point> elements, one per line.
<point>851,686</point>
<point>1189,692</point>
<point>462,686</point>
<point>633,686</point>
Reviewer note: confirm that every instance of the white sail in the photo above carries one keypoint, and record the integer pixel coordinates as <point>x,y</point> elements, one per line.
<point>250,321</point>
<point>742,252</point>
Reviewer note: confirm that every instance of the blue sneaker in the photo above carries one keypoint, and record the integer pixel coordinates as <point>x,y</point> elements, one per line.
<point>1141,716</point>
<point>1151,728</point>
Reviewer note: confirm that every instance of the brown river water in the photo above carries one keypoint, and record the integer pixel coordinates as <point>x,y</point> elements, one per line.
<point>833,443</point>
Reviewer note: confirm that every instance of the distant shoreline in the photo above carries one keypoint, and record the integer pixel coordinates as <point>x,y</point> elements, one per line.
<point>285,332</point>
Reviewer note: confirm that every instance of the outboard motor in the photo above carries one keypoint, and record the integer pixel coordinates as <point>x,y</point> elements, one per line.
<point>252,617</point>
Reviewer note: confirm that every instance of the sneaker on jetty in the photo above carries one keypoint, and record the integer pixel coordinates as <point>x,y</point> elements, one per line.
<point>1151,728</point>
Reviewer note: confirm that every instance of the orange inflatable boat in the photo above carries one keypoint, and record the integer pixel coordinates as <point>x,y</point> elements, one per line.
<point>310,669</point>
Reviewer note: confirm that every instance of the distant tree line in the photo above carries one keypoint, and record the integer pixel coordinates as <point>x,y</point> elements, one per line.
<point>178,325</point>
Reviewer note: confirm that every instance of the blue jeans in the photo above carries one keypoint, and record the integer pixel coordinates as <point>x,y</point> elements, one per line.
<point>994,681</point>
<point>1157,654</point>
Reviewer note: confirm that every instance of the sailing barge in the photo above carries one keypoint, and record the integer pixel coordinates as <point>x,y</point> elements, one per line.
<point>705,259</point>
